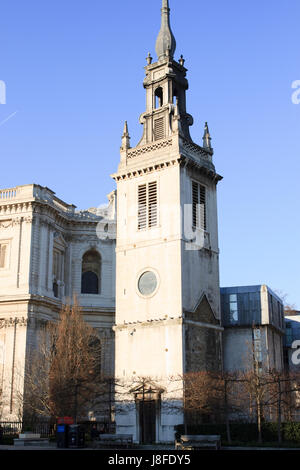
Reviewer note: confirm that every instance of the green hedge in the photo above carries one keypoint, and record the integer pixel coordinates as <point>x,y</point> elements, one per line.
<point>8,439</point>
<point>291,432</point>
<point>247,432</point>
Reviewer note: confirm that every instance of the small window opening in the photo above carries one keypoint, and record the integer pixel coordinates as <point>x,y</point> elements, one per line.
<point>175,97</point>
<point>158,98</point>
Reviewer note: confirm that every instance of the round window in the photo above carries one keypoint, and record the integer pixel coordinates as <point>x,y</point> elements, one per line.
<point>147,283</point>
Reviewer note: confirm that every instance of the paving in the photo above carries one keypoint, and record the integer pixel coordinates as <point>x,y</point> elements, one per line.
<point>161,447</point>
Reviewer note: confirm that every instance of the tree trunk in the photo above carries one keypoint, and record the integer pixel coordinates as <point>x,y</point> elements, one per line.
<point>75,404</point>
<point>228,430</point>
<point>279,412</point>
<point>185,423</point>
<point>226,413</point>
<point>259,421</point>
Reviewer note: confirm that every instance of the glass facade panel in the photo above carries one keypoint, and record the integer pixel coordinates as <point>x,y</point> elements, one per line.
<point>240,308</point>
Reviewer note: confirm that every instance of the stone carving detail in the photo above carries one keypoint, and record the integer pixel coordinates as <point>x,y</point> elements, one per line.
<point>149,148</point>
<point>20,321</point>
<point>85,239</point>
<point>17,221</point>
<point>44,221</point>
<point>194,148</point>
<point>6,224</point>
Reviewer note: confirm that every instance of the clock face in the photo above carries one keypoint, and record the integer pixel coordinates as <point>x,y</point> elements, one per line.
<point>147,283</point>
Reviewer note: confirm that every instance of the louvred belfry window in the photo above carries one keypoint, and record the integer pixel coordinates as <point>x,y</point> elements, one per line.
<point>159,129</point>
<point>147,205</point>
<point>199,206</point>
<point>152,204</point>
<point>142,206</point>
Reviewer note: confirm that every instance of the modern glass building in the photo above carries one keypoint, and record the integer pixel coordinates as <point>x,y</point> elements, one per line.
<point>253,320</point>
<point>243,306</point>
<point>292,334</point>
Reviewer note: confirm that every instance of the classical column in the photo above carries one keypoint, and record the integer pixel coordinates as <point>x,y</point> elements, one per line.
<point>68,269</point>
<point>19,221</point>
<point>50,260</point>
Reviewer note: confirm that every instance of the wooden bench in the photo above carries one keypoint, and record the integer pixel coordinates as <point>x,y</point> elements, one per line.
<point>190,442</point>
<point>124,440</point>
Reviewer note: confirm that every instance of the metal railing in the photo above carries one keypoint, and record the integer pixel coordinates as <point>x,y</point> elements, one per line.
<point>48,428</point>
<point>44,428</point>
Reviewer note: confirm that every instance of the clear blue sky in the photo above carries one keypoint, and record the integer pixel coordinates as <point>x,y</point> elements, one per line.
<point>74,71</point>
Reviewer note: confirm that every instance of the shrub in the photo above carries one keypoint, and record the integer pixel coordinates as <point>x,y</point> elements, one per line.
<point>247,432</point>
<point>291,432</point>
<point>8,439</point>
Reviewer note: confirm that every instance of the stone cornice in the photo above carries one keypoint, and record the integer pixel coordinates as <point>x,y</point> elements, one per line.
<point>207,170</point>
<point>149,323</point>
<point>161,154</point>
<point>165,322</point>
<point>51,215</point>
<point>200,324</point>
<point>147,168</point>
<point>48,212</point>
<point>40,300</point>
<point>93,238</point>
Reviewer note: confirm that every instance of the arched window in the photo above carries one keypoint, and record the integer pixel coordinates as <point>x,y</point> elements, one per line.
<point>158,97</point>
<point>55,288</point>
<point>91,271</point>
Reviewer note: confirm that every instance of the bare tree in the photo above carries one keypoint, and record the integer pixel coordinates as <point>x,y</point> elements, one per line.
<point>63,376</point>
<point>1,402</point>
<point>290,309</point>
<point>231,402</point>
<point>201,394</point>
<point>254,388</point>
<point>212,394</point>
<point>278,396</point>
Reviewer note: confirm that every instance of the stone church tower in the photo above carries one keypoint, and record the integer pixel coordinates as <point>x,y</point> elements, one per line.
<point>167,271</point>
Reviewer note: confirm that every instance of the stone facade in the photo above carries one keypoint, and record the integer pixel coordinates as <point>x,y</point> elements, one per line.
<point>43,241</point>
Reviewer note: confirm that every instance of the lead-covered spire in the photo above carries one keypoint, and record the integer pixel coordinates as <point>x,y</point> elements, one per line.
<point>207,138</point>
<point>165,43</point>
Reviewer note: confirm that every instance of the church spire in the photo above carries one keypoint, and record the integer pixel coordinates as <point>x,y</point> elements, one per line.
<point>165,43</point>
<point>125,138</point>
<point>207,138</point>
